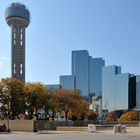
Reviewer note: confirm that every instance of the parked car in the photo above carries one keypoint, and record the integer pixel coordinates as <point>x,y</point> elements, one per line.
<point>3,128</point>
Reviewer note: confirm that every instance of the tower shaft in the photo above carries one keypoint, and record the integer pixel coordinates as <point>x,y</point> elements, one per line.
<point>18,53</point>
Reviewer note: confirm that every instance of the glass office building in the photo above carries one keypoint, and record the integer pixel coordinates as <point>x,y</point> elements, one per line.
<point>80,69</point>
<point>138,96</point>
<point>95,76</point>
<point>68,82</point>
<point>53,87</point>
<point>88,73</point>
<point>108,76</point>
<point>119,90</point>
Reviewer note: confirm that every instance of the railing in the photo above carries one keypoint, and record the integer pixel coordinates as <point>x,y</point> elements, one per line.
<point>47,125</point>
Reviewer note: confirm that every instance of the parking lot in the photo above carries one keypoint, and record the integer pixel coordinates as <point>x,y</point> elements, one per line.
<point>67,136</point>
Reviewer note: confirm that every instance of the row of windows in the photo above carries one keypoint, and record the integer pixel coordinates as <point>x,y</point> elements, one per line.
<point>21,37</point>
<point>20,69</point>
<point>20,72</point>
<point>15,65</point>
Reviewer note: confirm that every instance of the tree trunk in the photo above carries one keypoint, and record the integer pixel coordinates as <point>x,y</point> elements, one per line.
<point>66,115</point>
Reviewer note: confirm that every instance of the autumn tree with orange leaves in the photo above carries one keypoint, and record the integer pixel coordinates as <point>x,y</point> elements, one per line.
<point>12,91</point>
<point>129,116</point>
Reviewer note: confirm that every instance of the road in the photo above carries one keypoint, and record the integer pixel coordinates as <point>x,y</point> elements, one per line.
<point>67,136</point>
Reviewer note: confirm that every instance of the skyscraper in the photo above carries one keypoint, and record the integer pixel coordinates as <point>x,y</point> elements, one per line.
<point>18,18</point>
<point>138,95</point>
<point>87,72</point>
<point>118,89</point>
<point>108,75</point>
<point>80,69</point>
<point>95,76</point>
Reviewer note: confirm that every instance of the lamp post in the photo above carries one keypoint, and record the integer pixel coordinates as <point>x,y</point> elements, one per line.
<point>9,107</point>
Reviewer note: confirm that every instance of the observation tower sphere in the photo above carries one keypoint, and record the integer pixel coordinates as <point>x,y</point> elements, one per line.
<point>18,18</point>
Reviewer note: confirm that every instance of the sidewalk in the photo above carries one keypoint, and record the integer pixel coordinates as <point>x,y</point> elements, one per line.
<point>133,130</point>
<point>129,131</point>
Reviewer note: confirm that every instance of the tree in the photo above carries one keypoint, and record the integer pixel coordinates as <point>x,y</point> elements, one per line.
<point>72,103</point>
<point>129,116</point>
<point>112,116</point>
<point>36,94</point>
<point>81,107</point>
<point>52,104</point>
<point>12,91</point>
<point>65,101</point>
<point>91,115</point>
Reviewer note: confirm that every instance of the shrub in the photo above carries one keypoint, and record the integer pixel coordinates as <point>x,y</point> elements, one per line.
<point>129,116</point>
<point>112,116</point>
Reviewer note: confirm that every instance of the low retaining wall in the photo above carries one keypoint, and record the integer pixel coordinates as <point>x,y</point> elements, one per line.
<point>104,127</point>
<point>69,128</point>
<point>20,125</point>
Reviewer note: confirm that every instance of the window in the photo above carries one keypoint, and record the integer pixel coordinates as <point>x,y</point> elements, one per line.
<point>14,30</point>
<point>20,30</point>
<point>14,35</point>
<point>20,36</point>
<point>21,43</point>
<point>14,65</point>
<point>21,71</point>
<point>14,71</point>
<point>14,42</point>
<point>21,66</point>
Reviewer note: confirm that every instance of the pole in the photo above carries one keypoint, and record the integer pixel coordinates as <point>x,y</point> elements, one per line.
<point>8,129</point>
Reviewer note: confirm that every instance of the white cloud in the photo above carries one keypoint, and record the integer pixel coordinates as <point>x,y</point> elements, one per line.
<point>3,58</point>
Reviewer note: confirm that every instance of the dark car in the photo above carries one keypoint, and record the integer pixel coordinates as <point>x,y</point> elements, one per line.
<point>3,128</point>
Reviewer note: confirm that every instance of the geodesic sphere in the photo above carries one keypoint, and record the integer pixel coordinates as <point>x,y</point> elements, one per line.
<point>17,13</point>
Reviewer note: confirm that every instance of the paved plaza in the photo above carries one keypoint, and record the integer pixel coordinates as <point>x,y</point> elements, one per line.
<point>67,136</point>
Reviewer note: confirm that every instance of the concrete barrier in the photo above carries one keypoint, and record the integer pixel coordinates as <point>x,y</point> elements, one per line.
<point>91,128</point>
<point>20,125</point>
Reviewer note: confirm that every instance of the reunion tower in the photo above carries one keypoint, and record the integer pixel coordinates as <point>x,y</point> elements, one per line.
<point>18,18</point>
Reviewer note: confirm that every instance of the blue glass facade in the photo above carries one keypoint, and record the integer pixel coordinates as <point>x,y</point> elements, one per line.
<point>80,69</point>
<point>96,65</point>
<point>88,73</point>
<point>138,95</point>
<point>118,90</point>
<point>121,92</point>
<point>108,82</point>
<point>68,82</point>
<point>53,86</point>
<point>17,10</point>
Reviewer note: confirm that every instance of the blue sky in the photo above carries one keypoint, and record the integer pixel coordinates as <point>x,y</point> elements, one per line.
<point>106,28</point>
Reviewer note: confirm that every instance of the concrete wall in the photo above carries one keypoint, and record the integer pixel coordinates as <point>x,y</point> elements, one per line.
<point>19,125</point>
<point>69,128</point>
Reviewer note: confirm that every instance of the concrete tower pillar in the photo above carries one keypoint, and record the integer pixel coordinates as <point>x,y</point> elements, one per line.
<point>18,53</point>
<point>18,18</point>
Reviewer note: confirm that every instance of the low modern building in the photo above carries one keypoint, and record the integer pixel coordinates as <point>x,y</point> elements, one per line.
<point>54,86</point>
<point>68,81</point>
